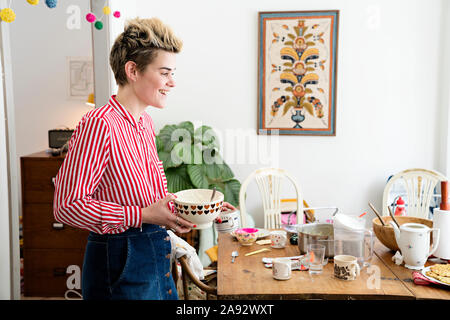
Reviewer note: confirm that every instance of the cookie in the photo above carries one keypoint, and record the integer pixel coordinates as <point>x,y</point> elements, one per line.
<point>442,270</point>
<point>436,276</point>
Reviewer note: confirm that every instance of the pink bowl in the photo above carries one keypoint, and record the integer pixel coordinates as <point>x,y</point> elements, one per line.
<point>246,236</point>
<point>246,230</point>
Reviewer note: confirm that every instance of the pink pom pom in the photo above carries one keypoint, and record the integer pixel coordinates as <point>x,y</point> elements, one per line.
<point>116,14</point>
<point>90,17</point>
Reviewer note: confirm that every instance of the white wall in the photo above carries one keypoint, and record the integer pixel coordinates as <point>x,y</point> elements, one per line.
<point>388,91</point>
<point>389,97</point>
<point>40,44</point>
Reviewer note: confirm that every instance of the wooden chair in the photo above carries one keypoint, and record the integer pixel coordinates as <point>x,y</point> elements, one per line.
<point>269,183</point>
<point>186,273</point>
<point>419,185</point>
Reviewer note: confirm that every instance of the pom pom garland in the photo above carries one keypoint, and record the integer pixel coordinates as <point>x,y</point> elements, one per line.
<point>106,10</point>
<point>51,3</point>
<point>98,25</point>
<point>33,2</point>
<point>90,17</point>
<point>7,15</point>
<point>116,14</point>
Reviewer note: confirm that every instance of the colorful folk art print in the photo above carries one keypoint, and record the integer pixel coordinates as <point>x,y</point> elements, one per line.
<point>297,72</point>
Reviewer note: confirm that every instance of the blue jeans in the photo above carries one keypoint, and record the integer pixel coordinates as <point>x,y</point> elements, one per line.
<point>133,265</point>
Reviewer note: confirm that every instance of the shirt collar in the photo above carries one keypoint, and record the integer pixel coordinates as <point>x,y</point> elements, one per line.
<point>124,112</point>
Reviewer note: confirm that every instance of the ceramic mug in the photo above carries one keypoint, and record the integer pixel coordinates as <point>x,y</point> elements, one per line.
<point>281,268</point>
<point>230,221</point>
<point>346,267</point>
<point>278,239</point>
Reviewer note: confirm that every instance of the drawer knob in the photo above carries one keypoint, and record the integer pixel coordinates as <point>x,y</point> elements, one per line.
<point>58,226</point>
<point>59,272</point>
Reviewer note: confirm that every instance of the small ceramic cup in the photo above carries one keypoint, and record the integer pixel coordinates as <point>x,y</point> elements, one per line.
<point>278,239</point>
<point>246,236</point>
<point>346,267</point>
<point>281,268</point>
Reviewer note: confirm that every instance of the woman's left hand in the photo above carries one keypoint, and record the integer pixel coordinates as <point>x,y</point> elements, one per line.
<point>225,207</point>
<point>228,206</point>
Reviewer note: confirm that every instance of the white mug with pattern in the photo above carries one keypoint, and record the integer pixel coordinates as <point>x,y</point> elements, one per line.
<point>278,239</point>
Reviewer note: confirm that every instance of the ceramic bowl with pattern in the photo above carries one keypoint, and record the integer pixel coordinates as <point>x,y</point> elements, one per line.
<point>246,236</point>
<point>195,205</point>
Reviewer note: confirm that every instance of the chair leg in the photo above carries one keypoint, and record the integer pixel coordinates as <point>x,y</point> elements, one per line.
<point>185,286</point>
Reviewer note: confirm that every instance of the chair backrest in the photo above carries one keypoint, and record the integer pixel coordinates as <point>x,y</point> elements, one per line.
<point>269,184</point>
<point>419,185</point>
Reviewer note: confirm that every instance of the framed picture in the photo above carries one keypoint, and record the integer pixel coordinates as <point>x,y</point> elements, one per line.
<point>80,78</point>
<point>297,72</point>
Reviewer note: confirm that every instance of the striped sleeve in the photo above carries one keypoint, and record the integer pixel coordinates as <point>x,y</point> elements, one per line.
<point>163,186</point>
<point>79,177</point>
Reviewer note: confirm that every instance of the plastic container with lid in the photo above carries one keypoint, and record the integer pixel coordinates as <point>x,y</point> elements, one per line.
<point>352,238</point>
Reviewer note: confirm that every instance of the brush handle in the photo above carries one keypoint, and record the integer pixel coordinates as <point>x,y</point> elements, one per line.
<point>376,212</point>
<point>444,196</point>
<point>392,216</point>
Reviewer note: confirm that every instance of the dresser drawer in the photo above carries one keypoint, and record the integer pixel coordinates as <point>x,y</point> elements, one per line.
<point>41,230</point>
<point>37,175</point>
<point>45,271</point>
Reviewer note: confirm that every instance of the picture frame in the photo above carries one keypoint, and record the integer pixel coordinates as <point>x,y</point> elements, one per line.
<point>297,72</point>
<point>80,78</point>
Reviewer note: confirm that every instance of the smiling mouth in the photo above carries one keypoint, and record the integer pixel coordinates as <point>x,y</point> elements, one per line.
<point>163,92</point>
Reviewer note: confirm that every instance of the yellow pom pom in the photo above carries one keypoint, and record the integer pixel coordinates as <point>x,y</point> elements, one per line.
<point>7,15</point>
<point>106,10</point>
<point>33,2</point>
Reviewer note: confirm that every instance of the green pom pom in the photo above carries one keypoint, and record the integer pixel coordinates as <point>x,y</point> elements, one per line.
<point>98,25</point>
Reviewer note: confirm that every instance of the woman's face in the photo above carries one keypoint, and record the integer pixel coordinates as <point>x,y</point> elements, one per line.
<point>153,84</point>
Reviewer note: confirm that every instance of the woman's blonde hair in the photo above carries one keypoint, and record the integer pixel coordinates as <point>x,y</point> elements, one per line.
<point>140,42</point>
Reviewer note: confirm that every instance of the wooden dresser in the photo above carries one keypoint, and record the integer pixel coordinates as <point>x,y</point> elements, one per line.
<point>49,247</point>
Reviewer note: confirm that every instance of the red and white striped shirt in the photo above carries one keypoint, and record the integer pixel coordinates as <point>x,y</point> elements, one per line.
<point>110,172</point>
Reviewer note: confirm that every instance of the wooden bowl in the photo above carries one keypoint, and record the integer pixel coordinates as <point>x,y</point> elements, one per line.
<point>386,233</point>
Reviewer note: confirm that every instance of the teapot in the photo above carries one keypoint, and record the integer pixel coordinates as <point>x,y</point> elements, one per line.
<point>413,239</point>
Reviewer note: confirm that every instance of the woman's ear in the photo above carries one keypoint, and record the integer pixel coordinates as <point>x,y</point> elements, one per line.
<point>130,70</point>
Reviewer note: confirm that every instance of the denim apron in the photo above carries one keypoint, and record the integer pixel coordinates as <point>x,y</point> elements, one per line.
<point>133,265</point>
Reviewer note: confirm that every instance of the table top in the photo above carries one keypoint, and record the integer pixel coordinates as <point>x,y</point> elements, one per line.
<point>405,276</point>
<point>248,278</point>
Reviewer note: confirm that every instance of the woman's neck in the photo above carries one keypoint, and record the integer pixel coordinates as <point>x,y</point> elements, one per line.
<point>126,97</point>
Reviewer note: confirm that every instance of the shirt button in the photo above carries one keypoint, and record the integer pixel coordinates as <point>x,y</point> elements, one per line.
<point>167,274</point>
<point>167,238</point>
<point>168,256</point>
<point>170,291</point>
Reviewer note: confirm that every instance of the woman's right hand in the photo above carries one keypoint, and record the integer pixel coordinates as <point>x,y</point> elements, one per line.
<point>160,214</point>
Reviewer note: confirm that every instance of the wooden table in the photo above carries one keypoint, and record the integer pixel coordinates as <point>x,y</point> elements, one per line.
<point>404,275</point>
<point>248,278</point>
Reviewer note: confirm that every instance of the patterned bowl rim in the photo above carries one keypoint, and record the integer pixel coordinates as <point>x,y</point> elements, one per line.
<point>218,193</point>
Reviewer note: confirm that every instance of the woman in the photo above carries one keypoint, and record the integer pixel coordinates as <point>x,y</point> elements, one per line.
<point>112,182</point>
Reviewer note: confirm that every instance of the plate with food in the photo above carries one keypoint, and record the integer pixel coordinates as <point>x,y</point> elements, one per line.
<point>262,233</point>
<point>439,273</point>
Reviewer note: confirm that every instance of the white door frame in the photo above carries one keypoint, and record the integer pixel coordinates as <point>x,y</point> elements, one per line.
<point>9,182</point>
<point>100,56</point>
<point>444,155</point>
